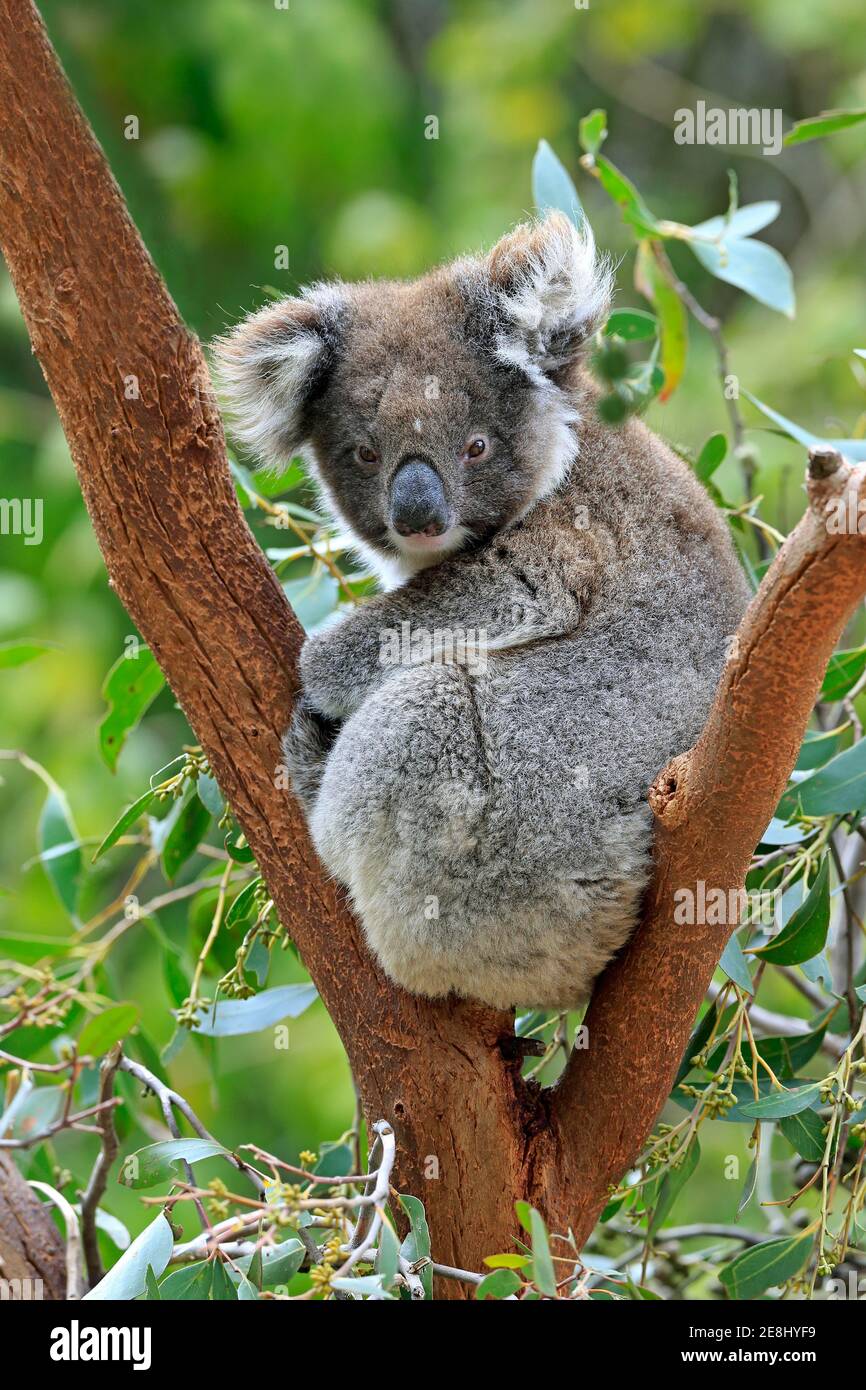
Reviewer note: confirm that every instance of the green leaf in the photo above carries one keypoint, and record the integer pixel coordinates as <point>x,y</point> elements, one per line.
<point>507,1261</point>
<point>28,949</point>
<point>816,127</point>
<point>742,222</point>
<point>542,1265</point>
<point>120,827</point>
<point>749,1186</point>
<point>805,932</point>
<point>222,1289</point>
<point>242,907</point>
<point>313,598</point>
<point>711,455</point>
<point>552,185</point>
<point>416,1245</point>
<point>100,1034</point>
<point>388,1255</point>
<point>56,830</point>
<point>634,325</point>
<point>524,1215</point>
<point>502,1283</point>
<point>817,749</point>
<point>335,1161</point>
<point>192,1283</point>
<point>805,1133</point>
<point>854,449</point>
<point>368,1285</point>
<point>735,965</point>
<point>843,672</point>
<point>624,193</point>
<point>229,1017</point>
<point>131,686</point>
<point>128,1278</point>
<point>835,789</point>
<point>673,319</point>
<point>17,653</point>
<point>672,1185</point>
<point>210,794</point>
<point>158,1162</point>
<point>185,835</point>
<point>698,1040</point>
<point>278,1263</point>
<point>593,131</point>
<point>241,854</point>
<point>752,266</point>
<point>765,1266</point>
<point>780,1103</point>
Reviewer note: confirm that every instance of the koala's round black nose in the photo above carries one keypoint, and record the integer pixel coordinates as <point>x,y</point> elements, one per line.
<point>418,505</point>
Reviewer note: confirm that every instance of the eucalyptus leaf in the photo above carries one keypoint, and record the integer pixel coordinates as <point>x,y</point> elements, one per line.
<point>230,1017</point>
<point>752,266</point>
<point>157,1163</point>
<point>127,1279</point>
<point>765,1266</point>
<point>804,934</point>
<point>552,185</point>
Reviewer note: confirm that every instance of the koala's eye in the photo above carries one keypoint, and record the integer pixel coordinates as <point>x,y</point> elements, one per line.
<point>365,454</point>
<point>475,448</point>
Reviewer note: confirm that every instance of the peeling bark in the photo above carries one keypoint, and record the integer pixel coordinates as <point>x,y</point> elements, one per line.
<point>132,391</point>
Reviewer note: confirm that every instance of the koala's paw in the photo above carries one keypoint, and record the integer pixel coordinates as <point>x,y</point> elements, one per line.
<point>326,674</point>
<point>306,744</point>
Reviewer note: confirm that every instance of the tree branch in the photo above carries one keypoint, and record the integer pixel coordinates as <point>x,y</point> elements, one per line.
<point>134,398</point>
<point>711,807</point>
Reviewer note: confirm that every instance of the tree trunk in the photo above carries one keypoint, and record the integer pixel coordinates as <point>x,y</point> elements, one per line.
<point>134,398</point>
<point>32,1252</point>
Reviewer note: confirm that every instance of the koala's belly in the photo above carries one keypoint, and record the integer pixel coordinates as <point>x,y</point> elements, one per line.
<point>491,843</point>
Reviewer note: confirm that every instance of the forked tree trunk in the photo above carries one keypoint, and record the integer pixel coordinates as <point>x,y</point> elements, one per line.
<point>131,387</point>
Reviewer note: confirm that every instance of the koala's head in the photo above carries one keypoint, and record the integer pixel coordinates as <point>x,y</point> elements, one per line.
<point>431,412</point>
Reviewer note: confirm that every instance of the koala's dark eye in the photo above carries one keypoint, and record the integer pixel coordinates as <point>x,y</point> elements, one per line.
<point>365,454</point>
<point>475,448</point>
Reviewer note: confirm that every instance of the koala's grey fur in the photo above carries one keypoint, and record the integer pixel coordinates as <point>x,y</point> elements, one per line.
<point>488,814</point>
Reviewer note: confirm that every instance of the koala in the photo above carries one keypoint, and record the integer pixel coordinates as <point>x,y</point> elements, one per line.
<point>473,746</point>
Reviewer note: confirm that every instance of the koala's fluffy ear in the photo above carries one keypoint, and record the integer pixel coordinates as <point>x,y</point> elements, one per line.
<point>271,365</point>
<point>552,292</point>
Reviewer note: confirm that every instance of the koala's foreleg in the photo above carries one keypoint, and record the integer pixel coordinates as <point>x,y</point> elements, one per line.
<point>472,606</point>
<point>306,745</point>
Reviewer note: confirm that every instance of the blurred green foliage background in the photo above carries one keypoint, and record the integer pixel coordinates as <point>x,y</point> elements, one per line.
<point>261,127</point>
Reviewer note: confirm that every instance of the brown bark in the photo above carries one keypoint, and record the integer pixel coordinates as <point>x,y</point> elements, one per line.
<point>472,1137</point>
<point>31,1247</point>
